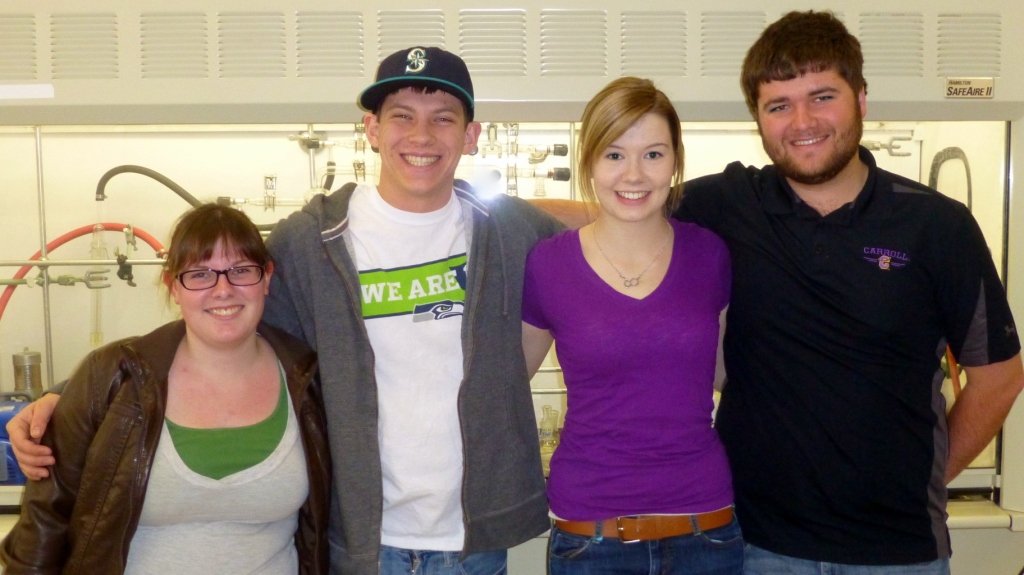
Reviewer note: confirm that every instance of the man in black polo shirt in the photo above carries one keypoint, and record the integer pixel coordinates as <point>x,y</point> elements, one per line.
<point>848,284</point>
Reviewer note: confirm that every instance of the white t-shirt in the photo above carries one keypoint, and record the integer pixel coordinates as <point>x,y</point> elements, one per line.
<point>412,270</point>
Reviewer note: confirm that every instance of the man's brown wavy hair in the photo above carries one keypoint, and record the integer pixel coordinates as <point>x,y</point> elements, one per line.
<point>800,43</point>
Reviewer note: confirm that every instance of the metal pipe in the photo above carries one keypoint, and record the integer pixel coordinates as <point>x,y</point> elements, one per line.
<point>548,391</point>
<point>47,329</point>
<point>1004,265</point>
<point>312,160</point>
<point>48,263</point>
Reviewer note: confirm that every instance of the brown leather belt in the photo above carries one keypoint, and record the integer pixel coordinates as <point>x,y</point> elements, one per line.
<point>648,527</point>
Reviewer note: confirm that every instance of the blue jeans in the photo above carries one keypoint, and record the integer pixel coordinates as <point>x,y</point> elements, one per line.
<point>759,561</point>
<point>713,552</point>
<point>395,561</point>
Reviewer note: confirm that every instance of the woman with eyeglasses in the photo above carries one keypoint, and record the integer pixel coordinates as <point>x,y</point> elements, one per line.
<point>197,448</point>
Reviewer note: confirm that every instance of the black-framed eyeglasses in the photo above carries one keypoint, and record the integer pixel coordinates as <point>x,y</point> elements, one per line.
<point>240,276</point>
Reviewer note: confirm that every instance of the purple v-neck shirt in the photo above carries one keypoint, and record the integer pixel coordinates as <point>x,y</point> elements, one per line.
<point>638,435</point>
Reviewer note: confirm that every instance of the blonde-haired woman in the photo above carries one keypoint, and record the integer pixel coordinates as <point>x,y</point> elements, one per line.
<point>640,482</point>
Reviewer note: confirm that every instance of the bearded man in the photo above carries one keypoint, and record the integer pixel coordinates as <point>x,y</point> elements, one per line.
<point>849,282</point>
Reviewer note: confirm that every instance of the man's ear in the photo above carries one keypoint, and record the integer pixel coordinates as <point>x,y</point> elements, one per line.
<point>372,129</point>
<point>473,130</point>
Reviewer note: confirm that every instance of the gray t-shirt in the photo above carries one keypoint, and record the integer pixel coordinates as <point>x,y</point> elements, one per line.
<point>243,524</point>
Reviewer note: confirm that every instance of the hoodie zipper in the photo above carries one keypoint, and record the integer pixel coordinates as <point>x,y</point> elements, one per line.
<point>478,244</point>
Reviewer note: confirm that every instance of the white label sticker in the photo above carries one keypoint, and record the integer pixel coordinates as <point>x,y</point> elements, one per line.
<point>970,88</point>
<point>25,91</point>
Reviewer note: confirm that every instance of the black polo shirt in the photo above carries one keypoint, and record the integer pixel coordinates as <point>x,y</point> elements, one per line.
<point>832,417</point>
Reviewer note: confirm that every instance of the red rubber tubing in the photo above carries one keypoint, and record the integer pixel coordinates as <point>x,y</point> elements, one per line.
<point>954,372</point>
<point>75,233</point>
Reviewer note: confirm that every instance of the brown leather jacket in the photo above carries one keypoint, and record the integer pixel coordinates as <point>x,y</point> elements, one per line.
<point>104,433</point>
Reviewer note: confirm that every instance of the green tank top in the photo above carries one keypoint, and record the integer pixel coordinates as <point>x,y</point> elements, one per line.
<point>217,453</point>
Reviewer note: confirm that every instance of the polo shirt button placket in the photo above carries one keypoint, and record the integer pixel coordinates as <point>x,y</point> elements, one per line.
<point>819,247</point>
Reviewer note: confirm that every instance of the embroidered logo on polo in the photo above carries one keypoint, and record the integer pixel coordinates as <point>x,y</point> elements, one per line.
<point>416,61</point>
<point>885,258</point>
<point>428,292</point>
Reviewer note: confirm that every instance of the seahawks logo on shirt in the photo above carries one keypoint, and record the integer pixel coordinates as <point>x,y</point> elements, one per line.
<point>439,310</point>
<point>428,292</point>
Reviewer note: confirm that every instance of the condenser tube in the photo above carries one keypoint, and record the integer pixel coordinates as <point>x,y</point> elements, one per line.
<point>97,251</point>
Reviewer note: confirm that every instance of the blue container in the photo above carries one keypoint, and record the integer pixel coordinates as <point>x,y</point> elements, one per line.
<point>10,473</point>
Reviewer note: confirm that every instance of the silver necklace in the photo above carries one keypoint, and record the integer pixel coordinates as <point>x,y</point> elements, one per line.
<point>633,281</point>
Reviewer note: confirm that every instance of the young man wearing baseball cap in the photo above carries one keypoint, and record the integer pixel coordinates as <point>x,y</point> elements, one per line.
<point>410,293</point>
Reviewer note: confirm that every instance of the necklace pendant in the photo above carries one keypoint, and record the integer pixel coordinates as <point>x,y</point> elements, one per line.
<point>631,282</point>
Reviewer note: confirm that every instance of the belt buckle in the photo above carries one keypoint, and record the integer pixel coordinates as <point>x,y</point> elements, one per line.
<point>621,531</point>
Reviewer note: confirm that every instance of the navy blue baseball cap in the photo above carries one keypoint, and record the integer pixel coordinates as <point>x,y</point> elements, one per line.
<point>420,66</point>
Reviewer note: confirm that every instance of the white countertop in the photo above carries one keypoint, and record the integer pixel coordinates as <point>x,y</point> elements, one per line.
<point>982,515</point>
<point>10,494</point>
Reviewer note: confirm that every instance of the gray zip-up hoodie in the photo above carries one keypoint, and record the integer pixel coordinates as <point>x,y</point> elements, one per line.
<point>314,295</point>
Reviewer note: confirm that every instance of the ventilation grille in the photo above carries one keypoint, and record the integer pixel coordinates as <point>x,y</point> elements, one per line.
<point>174,45</point>
<point>84,46</point>
<point>329,44</point>
<point>725,39</point>
<point>252,45</point>
<point>401,29</point>
<point>17,47</point>
<point>654,43</point>
<point>493,42</point>
<point>970,45</point>
<point>573,43</point>
<point>893,44</point>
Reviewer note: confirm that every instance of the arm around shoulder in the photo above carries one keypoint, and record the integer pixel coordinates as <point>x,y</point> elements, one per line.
<point>38,543</point>
<point>283,307</point>
<point>26,430</point>
<point>571,214</point>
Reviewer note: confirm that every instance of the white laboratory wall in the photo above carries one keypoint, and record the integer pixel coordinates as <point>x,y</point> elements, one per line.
<point>206,163</point>
<point>305,61</point>
<point>212,161</point>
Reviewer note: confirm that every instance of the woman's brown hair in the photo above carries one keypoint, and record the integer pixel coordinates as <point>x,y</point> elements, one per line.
<point>197,232</point>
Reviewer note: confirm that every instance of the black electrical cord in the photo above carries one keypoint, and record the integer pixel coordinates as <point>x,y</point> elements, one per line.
<point>329,180</point>
<point>102,185</point>
<point>192,200</point>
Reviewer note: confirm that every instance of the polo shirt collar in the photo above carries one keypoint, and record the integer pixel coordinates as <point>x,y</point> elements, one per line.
<point>871,203</point>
